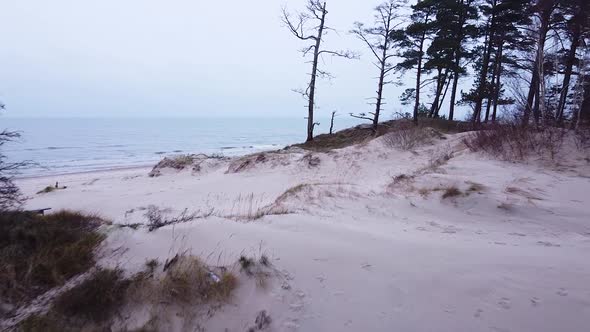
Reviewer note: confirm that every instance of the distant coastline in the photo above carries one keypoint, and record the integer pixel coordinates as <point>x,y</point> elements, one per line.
<point>76,145</point>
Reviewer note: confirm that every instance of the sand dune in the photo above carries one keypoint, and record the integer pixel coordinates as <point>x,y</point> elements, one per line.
<point>361,238</point>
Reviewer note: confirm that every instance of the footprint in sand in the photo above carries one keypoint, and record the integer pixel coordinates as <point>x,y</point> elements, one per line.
<point>478,313</point>
<point>517,234</point>
<point>450,230</point>
<point>562,292</point>
<point>321,278</point>
<point>535,301</point>
<point>504,303</point>
<point>367,266</point>
<point>548,244</point>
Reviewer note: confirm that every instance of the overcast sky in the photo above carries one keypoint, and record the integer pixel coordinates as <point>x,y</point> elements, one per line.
<point>176,58</point>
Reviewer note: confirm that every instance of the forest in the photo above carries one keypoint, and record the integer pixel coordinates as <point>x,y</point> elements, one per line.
<point>526,61</point>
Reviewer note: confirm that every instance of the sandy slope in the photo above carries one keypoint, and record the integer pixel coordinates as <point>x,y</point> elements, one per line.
<point>360,253</point>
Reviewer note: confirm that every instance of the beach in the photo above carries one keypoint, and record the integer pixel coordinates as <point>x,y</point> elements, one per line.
<point>362,238</point>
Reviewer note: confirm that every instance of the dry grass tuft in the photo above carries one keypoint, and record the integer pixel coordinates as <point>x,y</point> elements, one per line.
<point>410,138</point>
<point>505,206</point>
<point>451,192</point>
<point>38,253</point>
<point>250,208</point>
<point>156,218</point>
<point>189,282</point>
<point>42,323</point>
<point>258,269</point>
<point>475,187</point>
<point>97,298</point>
<point>424,192</point>
<point>513,142</point>
<point>46,190</point>
<point>293,191</point>
<point>402,178</point>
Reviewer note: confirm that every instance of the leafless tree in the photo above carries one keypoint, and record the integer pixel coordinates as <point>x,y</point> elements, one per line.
<point>310,26</point>
<point>332,122</point>
<point>10,196</point>
<point>378,40</point>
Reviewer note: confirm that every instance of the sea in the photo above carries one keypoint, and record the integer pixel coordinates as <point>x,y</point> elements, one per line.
<point>73,145</point>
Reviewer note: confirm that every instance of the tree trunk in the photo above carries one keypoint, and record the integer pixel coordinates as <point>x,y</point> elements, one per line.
<point>531,96</point>
<point>381,82</point>
<point>440,83</point>
<point>419,78</point>
<point>419,73</point>
<point>536,82</point>
<point>444,96</point>
<point>498,85</point>
<point>483,75</point>
<point>332,122</point>
<point>456,70</point>
<point>453,94</point>
<point>314,70</point>
<point>492,92</point>
<point>571,59</point>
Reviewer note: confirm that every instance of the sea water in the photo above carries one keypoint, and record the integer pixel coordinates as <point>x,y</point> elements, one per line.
<point>62,146</point>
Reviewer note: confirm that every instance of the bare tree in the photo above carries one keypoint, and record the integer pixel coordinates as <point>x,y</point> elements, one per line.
<point>310,26</point>
<point>379,41</point>
<point>332,122</point>
<point>10,195</point>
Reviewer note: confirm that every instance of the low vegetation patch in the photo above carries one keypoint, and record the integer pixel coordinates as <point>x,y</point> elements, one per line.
<point>95,299</point>
<point>251,207</point>
<point>364,133</point>
<point>411,137</point>
<point>256,268</point>
<point>188,281</point>
<point>183,282</point>
<point>38,253</point>
<point>451,192</point>
<point>156,218</point>
<point>293,191</point>
<point>515,142</point>
<point>43,323</point>
<point>46,190</point>
<point>181,162</point>
<point>475,187</point>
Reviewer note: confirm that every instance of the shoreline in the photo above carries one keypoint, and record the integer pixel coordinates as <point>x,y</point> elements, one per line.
<point>96,171</point>
<point>145,165</point>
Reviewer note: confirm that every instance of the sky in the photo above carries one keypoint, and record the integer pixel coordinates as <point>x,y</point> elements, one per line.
<point>176,58</point>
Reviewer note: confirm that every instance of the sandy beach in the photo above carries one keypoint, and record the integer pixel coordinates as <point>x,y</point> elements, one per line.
<point>361,238</point>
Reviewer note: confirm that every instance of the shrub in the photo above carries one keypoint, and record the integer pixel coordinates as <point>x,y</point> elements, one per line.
<point>246,264</point>
<point>157,220</point>
<point>38,323</point>
<point>38,253</point>
<point>451,192</point>
<point>264,260</point>
<point>188,281</point>
<point>512,141</point>
<point>475,187</point>
<point>46,190</point>
<point>95,299</point>
<point>408,138</point>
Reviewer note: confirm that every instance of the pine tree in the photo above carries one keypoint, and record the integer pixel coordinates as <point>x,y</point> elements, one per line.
<point>576,27</point>
<point>412,41</point>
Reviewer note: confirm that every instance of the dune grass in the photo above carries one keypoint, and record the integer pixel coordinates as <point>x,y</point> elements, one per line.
<point>38,253</point>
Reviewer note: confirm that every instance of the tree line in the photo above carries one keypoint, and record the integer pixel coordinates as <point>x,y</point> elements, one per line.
<point>526,59</point>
